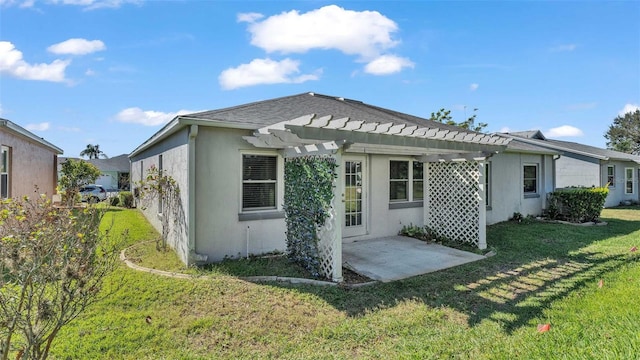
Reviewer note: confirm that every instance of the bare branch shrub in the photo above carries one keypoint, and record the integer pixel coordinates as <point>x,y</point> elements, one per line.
<point>53,263</point>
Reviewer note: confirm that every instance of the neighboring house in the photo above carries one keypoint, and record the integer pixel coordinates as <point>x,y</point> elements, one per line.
<point>519,179</point>
<point>395,169</point>
<point>114,172</point>
<point>584,165</point>
<point>27,162</point>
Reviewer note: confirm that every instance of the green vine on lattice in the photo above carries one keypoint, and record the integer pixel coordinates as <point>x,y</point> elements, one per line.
<point>309,183</point>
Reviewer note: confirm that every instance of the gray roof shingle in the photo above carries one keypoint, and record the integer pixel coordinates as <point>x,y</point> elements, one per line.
<point>269,112</point>
<point>118,163</point>
<point>573,147</point>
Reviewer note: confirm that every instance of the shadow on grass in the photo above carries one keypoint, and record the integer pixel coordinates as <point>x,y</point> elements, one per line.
<point>536,265</point>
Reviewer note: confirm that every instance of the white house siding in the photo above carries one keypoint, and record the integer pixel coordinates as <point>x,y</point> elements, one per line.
<point>617,189</point>
<point>507,195</point>
<point>382,220</point>
<point>175,156</point>
<point>220,231</point>
<point>577,171</point>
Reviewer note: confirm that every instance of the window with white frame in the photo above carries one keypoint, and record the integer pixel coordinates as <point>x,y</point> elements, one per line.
<point>530,179</point>
<point>259,182</point>
<point>629,180</point>
<point>406,179</point>
<point>417,176</point>
<point>4,172</point>
<point>611,175</point>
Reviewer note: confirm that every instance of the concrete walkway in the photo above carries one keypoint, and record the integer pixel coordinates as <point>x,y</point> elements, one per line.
<point>398,257</point>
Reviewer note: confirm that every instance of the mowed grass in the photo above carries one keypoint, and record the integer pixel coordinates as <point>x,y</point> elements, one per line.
<point>490,309</point>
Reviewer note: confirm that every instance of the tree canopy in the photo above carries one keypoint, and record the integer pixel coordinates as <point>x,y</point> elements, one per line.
<point>75,173</point>
<point>624,134</point>
<point>93,152</point>
<point>444,116</point>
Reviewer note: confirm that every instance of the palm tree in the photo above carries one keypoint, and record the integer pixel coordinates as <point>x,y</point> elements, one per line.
<point>93,152</point>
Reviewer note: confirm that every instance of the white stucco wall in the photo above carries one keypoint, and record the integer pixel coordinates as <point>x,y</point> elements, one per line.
<point>31,165</point>
<point>577,171</point>
<point>219,230</point>
<point>617,192</point>
<point>383,221</point>
<point>507,195</point>
<point>175,154</point>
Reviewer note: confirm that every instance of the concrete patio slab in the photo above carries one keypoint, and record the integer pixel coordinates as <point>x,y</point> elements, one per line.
<point>398,257</point>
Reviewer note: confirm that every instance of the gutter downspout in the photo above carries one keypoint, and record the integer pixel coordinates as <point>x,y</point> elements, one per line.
<point>554,171</point>
<point>194,257</point>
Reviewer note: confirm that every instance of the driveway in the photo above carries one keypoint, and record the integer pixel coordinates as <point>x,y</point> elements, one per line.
<point>398,257</point>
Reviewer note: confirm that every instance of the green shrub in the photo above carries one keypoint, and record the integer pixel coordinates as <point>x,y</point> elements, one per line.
<point>578,204</point>
<point>517,217</point>
<point>415,231</point>
<point>114,201</point>
<point>126,199</point>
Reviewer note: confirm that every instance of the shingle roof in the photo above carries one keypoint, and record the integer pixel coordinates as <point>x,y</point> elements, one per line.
<point>517,145</point>
<point>269,112</point>
<point>573,147</point>
<point>118,163</point>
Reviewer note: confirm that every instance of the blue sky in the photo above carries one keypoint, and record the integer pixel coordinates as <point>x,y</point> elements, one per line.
<point>112,72</point>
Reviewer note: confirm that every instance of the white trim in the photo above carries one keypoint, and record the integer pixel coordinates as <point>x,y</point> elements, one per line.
<point>7,171</point>
<point>612,184</point>
<point>279,181</point>
<point>410,181</point>
<point>488,180</point>
<point>632,179</point>
<point>537,191</point>
<point>21,131</point>
<point>363,228</point>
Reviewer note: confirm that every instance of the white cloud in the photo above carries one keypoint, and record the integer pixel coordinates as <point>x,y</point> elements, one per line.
<point>563,131</point>
<point>19,3</point>
<point>96,4</point>
<point>363,33</point>
<point>89,72</point>
<point>12,63</point>
<point>629,108</point>
<point>564,47</point>
<point>249,17</point>
<point>0,109</point>
<point>135,115</point>
<point>86,4</point>
<point>505,129</point>
<point>474,87</point>
<point>77,47</point>
<point>38,127</point>
<point>387,64</point>
<point>264,71</point>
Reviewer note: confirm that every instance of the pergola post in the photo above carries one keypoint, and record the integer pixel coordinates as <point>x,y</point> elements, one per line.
<point>338,218</point>
<point>482,206</point>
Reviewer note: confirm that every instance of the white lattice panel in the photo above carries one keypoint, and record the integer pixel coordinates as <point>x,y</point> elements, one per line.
<point>454,200</point>
<point>326,245</point>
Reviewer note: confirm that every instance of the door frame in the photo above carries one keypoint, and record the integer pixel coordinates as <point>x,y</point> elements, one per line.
<point>358,230</point>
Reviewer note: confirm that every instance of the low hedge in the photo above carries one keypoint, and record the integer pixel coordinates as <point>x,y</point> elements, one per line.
<point>577,204</point>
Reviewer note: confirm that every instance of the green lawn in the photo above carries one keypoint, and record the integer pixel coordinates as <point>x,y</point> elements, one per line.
<point>542,273</point>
